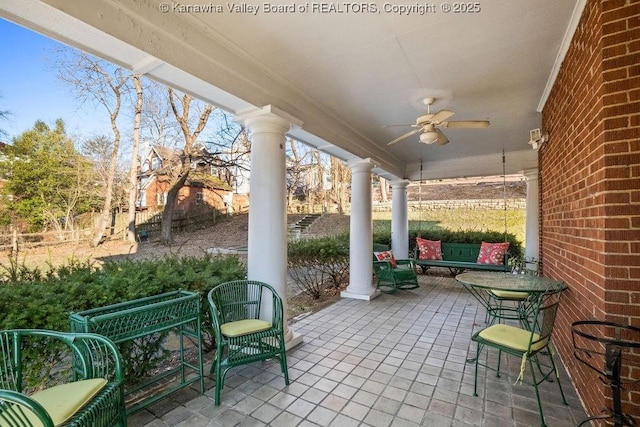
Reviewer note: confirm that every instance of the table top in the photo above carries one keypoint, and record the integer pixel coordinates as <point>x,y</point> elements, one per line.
<point>510,282</point>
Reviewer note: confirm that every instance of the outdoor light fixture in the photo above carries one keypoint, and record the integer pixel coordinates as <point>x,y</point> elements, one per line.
<point>429,137</point>
<point>537,138</point>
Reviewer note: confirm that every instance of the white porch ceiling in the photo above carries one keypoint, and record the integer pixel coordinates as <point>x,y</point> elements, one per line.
<point>344,76</point>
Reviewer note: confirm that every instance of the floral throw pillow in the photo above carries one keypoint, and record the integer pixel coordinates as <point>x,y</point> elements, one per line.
<point>492,253</point>
<point>429,249</point>
<point>386,256</point>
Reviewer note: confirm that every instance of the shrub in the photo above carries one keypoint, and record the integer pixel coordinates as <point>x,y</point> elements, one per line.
<point>315,264</point>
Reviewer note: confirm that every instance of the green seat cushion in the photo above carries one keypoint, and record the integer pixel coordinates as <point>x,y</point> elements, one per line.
<point>62,401</point>
<point>513,295</point>
<point>244,327</point>
<point>512,337</point>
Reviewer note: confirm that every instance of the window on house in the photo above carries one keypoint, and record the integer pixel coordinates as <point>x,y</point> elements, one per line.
<point>199,198</point>
<point>162,199</point>
<point>142,201</point>
<point>155,163</point>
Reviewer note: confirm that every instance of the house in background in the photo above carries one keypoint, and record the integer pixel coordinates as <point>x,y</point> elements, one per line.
<point>202,191</point>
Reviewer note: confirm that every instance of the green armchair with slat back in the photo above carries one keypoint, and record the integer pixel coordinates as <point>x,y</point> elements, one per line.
<point>91,395</point>
<point>245,331</point>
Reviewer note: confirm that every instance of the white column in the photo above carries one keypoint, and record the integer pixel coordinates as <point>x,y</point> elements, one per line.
<point>361,234</point>
<point>399,220</point>
<point>267,240</point>
<point>532,225</point>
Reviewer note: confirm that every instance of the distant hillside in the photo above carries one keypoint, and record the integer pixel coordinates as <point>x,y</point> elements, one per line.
<point>465,189</point>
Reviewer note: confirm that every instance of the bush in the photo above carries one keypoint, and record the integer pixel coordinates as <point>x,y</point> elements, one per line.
<point>315,264</point>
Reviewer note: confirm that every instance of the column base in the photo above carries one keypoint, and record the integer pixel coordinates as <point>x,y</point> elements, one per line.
<point>357,295</point>
<point>292,339</point>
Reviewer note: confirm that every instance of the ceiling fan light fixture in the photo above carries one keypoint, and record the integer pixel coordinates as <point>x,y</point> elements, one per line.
<point>429,137</point>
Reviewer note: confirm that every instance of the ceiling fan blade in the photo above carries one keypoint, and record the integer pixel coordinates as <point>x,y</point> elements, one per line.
<point>442,139</point>
<point>413,125</point>
<point>406,135</point>
<point>441,116</point>
<point>468,124</point>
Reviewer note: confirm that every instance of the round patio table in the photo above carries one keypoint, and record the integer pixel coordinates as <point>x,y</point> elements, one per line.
<point>478,283</point>
<point>476,280</point>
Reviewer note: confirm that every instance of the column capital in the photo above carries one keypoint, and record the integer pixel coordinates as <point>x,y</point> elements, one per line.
<point>361,165</point>
<point>400,183</point>
<point>530,174</point>
<point>267,119</point>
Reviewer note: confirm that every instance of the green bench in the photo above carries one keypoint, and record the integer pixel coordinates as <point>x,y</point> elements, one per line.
<point>458,257</point>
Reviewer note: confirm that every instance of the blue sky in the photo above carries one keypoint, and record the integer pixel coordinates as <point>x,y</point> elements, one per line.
<point>30,89</point>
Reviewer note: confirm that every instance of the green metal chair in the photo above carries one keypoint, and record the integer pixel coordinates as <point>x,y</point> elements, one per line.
<point>531,343</point>
<point>243,332</point>
<point>505,305</point>
<point>508,305</point>
<point>92,396</point>
<point>389,277</point>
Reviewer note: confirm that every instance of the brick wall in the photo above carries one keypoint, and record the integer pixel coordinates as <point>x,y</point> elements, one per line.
<point>590,184</point>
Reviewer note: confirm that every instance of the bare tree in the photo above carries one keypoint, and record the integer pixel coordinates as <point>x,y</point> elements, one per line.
<point>4,114</point>
<point>384,189</point>
<point>340,184</point>
<point>320,195</point>
<point>180,172</point>
<point>295,170</point>
<point>133,171</point>
<point>98,81</point>
<point>158,124</point>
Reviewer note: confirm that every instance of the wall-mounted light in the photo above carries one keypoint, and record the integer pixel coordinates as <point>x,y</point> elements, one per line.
<point>537,138</point>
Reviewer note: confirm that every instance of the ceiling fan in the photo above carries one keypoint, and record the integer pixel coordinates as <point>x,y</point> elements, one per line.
<point>429,125</point>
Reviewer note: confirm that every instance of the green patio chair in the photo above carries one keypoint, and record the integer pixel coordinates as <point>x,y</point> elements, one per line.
<point>393,274</point>
<point>505,305</point>
<point>92,397</point>
<point>243,335</point>
<point>531,344</point>
<point>508,305</point>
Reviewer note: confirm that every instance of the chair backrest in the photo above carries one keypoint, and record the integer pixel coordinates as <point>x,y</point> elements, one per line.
<point>379,247</point>
<point>545,311</point>
<point>243,299</point>
<point>10,376</point>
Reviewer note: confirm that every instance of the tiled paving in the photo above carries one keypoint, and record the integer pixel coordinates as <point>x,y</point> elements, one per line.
<point>399,360</point>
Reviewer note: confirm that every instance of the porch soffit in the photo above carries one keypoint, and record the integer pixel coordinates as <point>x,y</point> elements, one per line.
<point>345,76</point>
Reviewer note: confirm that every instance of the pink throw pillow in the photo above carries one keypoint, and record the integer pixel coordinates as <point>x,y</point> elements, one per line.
<point>429,249</point>
<point>492,253</point>
<point>386,256</point>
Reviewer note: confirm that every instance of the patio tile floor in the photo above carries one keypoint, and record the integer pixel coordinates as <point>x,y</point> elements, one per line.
<point>399,360</point>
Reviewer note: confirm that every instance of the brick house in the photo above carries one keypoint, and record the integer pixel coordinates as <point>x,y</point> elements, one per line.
<point>201,191</point>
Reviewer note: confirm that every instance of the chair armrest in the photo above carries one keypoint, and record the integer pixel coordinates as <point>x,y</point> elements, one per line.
<point>16,406</point>
<point>410,262</point>
<point>382,265</point>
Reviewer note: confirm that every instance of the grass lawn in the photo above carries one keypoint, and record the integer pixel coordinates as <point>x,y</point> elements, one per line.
<point>459,220</point>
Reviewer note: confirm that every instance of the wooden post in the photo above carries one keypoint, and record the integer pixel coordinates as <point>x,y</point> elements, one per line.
<point>14,242</point>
